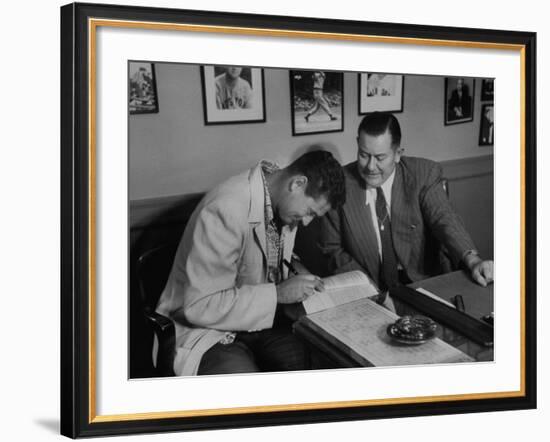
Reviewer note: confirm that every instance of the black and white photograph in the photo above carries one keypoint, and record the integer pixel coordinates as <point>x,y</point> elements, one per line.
<point>232,94</point>
<point>487,125</point>
<point>379,92</point>
<point>143,97</point>
<point>317,102</point>
<point>487,89</point>
<point>254,251</point>
<point>459,100</point>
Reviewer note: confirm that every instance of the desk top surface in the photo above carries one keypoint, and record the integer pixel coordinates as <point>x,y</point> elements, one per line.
<point>478,301</point>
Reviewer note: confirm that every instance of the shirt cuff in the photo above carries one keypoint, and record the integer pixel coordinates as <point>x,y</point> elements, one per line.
<point>468,253</point>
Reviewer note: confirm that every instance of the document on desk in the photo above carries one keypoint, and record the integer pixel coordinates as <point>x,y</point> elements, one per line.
<point>359,329</point>
<point>340,289</point>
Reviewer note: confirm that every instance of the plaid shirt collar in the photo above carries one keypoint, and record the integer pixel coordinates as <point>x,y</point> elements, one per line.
<point>268,168</point>
<point>274,238</point>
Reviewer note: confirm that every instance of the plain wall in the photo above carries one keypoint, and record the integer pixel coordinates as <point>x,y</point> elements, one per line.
<point>174,152</point>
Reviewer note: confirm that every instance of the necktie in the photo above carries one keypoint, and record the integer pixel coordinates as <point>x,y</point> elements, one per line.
<point>388,270</point>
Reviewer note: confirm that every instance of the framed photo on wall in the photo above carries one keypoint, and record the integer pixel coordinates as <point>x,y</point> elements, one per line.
<point>97,396</point>
<point>487,125</point>
<point>459,100</point>
<point>380,92</point>
<point>142,87</point>
<point>316,102</point>
<point>233,94</point>
<point>487,89</point>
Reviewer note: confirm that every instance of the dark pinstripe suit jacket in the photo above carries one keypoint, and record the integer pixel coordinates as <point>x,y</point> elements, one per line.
<point>420,214</point>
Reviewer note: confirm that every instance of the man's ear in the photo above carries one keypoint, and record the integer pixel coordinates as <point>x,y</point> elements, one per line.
<point>398,153</point>
<point>298,182</point>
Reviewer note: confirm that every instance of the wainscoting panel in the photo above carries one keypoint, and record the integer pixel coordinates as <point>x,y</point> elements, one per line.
<point>471,190</point>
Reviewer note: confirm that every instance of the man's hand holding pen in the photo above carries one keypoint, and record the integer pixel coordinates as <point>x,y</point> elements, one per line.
<point>298,287</point>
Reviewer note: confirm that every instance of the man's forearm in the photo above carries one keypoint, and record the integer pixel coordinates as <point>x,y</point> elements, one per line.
<point>238,308</point>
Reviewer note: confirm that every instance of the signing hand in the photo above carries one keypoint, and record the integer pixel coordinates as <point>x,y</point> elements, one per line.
<point>298,288</point>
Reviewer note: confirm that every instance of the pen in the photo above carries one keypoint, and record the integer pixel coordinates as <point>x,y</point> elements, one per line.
<point>290,267</point>
<point>459,303</point>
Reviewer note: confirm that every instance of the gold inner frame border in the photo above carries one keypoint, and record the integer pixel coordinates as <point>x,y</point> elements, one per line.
<point>93,24</point>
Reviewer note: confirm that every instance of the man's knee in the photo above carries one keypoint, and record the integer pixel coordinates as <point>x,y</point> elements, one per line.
<point>226,359</point>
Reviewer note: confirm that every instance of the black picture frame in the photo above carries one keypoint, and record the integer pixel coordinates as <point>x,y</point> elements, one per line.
<point>309,105</point>
<point>487,89</point>
<point>486,125</point>
<point>142,88</point>
<point>380,101</point>
<point>251,109</point>
<point>78,413</point>
<point>459,108</point>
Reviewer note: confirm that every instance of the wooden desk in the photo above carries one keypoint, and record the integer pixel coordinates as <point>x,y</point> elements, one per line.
<point>478,301</point>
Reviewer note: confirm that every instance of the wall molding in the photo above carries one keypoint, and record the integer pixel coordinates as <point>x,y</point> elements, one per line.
<point>465,168</point>
<point>162,210</point>
<point>175,208</point>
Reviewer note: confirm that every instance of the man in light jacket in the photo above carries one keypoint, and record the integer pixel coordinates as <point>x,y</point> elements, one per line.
<point>229,275</point>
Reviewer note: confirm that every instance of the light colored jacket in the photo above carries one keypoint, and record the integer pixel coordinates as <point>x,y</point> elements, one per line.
<point>218,282</point>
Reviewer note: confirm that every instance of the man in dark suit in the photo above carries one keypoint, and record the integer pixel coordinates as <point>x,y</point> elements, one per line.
<point>394,205</point>
<point>460,103</point>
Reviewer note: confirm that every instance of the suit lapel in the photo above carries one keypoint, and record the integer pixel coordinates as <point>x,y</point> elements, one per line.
<point>259,235</point>
<point>400,221</point>
<point>360,221</point>
<point>256,215</point>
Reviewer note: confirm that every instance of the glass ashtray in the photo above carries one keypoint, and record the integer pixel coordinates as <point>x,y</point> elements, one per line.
<point>412,330</point>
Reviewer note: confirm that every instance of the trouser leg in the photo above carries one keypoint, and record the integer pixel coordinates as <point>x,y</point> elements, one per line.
<point>277,350</point>
<point>228,358</point>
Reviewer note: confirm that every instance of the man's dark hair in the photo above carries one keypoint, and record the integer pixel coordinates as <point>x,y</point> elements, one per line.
<point>378,123</point>
<point>324,174</point>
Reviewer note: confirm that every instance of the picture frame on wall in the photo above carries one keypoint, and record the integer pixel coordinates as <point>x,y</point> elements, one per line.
<point>316,101</point>
<point>380,92</point>
<point>143,88</point>
<point>233,94</point>
<point>459,100</point>
<point>97,396</point>
<point>487,125</point>
<point>487,89</point>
